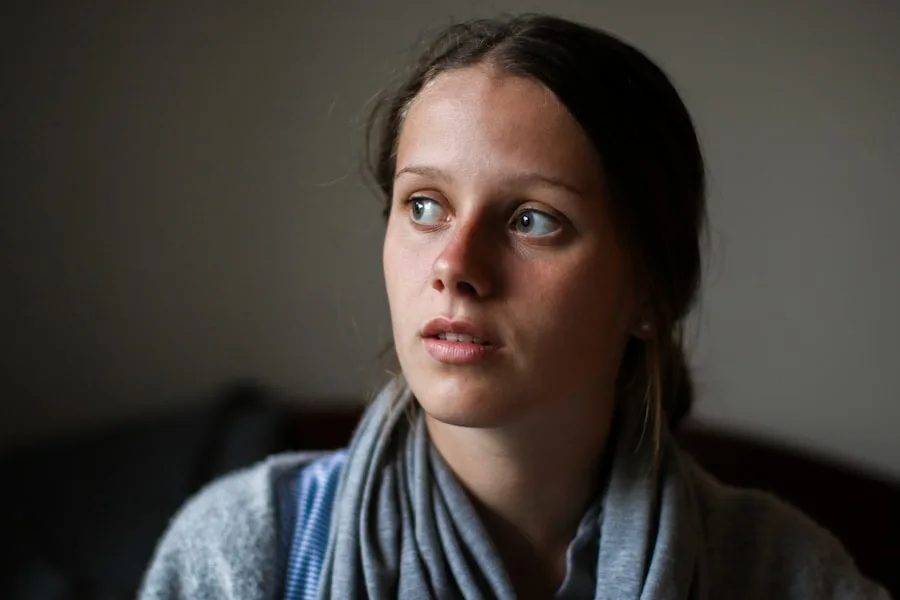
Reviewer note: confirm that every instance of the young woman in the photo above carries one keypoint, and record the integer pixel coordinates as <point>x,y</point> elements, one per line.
<point>544,195</point>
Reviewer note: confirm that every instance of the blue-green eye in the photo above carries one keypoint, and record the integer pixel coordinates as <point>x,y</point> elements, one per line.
<point>425,211</point>
<point>535,223</point>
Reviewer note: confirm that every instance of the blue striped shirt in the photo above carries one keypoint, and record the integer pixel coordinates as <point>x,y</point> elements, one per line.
<point>308,501</point>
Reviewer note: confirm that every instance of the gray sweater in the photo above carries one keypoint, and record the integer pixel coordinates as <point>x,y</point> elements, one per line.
<point>224,543</point>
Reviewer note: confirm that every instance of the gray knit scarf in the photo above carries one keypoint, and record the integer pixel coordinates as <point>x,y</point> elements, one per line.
<point>403,526</point>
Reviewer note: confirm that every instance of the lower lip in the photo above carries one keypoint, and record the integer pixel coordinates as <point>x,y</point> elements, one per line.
<point>457,353</point>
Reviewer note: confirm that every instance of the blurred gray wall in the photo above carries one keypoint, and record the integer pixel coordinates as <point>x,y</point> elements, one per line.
<point>182,205</point>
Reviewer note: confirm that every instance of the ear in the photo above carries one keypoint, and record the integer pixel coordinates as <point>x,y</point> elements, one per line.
<point>642,320</point>
<point>644,330</point>
<point>642,313</point>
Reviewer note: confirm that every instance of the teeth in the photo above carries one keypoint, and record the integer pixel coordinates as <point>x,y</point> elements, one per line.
<point>461,337</point>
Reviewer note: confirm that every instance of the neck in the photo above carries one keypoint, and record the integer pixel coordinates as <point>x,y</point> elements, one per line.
<point>530,482</point>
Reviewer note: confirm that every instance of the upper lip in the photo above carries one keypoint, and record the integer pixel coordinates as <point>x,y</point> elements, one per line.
<point>440,325</point>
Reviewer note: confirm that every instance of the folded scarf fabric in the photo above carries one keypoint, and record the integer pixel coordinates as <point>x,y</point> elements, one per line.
<point>405,528</point>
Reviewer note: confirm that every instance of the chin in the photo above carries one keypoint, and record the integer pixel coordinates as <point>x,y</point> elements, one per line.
<point>464,404</point>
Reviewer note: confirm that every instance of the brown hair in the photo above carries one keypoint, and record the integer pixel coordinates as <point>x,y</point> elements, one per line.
<point>649,154</point>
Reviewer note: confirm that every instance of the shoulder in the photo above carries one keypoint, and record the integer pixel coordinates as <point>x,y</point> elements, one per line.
<point>223,543</point>
<point>764,547</point>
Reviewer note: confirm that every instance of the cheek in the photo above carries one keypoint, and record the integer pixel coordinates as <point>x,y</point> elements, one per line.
<point>405,268</point>
<point>580,305</point>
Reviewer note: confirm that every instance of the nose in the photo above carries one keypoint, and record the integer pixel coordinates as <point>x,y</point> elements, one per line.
<point>464,266</point>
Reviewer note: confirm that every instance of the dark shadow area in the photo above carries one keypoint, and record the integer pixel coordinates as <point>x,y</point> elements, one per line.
<point>80,518</point>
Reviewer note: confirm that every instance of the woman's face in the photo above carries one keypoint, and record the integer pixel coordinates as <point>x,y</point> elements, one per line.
<point>499,229</point>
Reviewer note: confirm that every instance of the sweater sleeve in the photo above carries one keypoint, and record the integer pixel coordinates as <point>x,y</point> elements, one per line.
<point>761,547</point>
<point>224,542</point>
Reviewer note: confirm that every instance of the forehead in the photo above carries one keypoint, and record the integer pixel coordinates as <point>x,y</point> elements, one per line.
<point>476,118</point>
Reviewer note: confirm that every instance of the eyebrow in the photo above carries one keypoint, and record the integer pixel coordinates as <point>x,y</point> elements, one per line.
<point>524,179</point>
